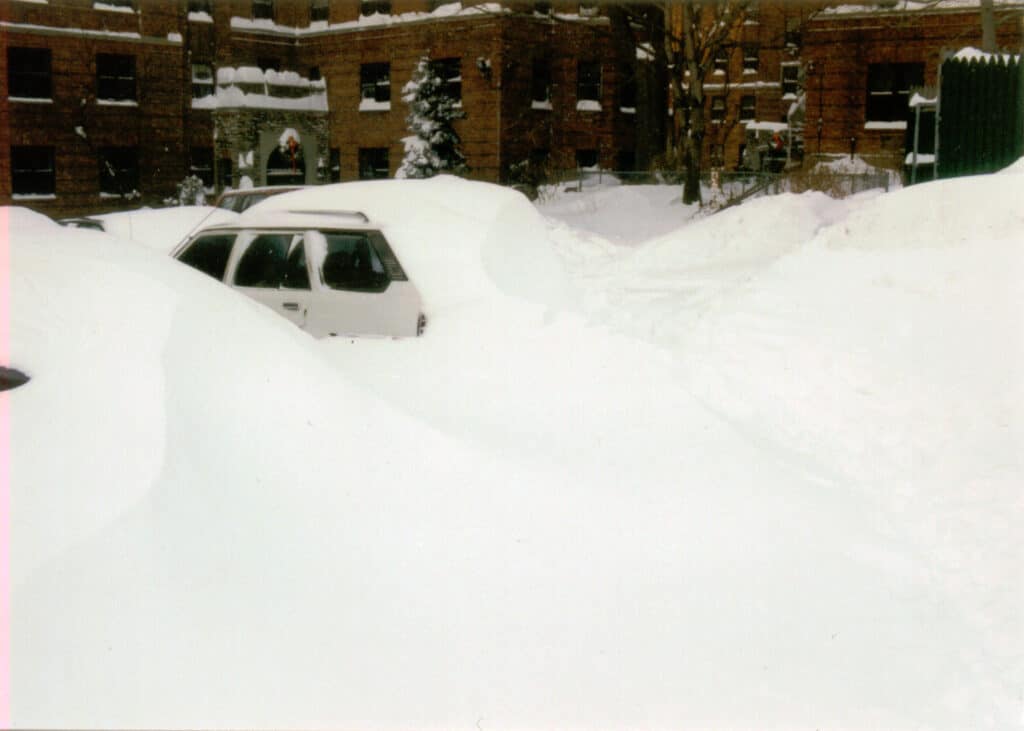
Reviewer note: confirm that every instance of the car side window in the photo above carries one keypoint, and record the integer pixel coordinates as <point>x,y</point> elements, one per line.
<point>209,254</point>
<point>352,263</point>
<point>296,275</point>
<point>264,262</point>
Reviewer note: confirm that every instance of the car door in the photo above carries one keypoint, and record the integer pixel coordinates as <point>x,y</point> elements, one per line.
<point>272,269</point>
<point>354,293</point>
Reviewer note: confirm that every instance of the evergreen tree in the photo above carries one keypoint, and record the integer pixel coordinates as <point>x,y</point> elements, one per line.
<point>433,147</point>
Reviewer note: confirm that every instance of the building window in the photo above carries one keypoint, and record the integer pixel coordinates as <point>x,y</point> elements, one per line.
<point>32,171</point>
<point>371,7</point>
<point>450,72</point>
<point>200,6</point>
<point>318,11</point>
<point>753,10</point>
<point>790,79</point>
<point>202,80</point>
<point>588,81</point>
<point>200,164</point>
<point>334,173</point>
<point>268,63</point>
<point>540,81</point>
<point>627,87</point>
<point>718,109</point>
<point>792,34</point>
<point>28,73</point>
<point>748,108</point>
<point>116,3</point>
<point>375,82</point>
<point>588,9</point>
<point>751,57</point>
<point>119,170</point>
<point>586,159</point>
<point>263,9</point>
<point>721,62</point>
<point>716,155</point>
<point>888,91</point>
<point>373,163</point>
<point>314,73</point>
<point>627,160</point>
<point>115,77</point>
<point>542,8</point>
<point>224,172</point>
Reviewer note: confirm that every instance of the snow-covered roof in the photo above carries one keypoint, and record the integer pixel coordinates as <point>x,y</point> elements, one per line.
<point>911,6</point>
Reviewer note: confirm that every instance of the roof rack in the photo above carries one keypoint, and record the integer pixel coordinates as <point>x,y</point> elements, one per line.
<point>341,214</point>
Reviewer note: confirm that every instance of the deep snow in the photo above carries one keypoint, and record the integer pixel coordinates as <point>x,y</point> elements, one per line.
<point>759,470</point>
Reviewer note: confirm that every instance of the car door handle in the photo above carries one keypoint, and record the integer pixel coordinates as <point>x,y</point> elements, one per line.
<point>293,306</point>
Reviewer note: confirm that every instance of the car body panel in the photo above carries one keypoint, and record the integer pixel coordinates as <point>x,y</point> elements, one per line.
<point>331,280</point>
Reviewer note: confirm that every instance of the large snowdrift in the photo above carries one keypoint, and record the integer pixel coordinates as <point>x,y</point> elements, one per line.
<point>460,242</point>
<point>772,480</point>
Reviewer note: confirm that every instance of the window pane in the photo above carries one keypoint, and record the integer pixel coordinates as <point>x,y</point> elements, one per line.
<point>540,82</point>
<point>588,87</point>
<point>119,170</point>
<point>296,275</point>
<point>351,263</point>
<point>373,163</point>
<point>28,72</point>
<point>115,77</point>
<point>32,171</point>
<point>263,9</point>
<point>209,254</point>
<point>450,71</point>
<point>264,262</point>
<point>375,81</point>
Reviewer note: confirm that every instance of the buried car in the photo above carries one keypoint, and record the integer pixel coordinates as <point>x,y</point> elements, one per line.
<point>329,272</point>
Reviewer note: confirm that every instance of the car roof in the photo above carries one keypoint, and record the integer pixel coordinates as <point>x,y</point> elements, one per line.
<point>260,189</point>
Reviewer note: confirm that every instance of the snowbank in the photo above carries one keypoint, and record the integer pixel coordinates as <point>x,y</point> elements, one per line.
<point>459,241</point>
<point>771,481</point>
<point>161,229</point>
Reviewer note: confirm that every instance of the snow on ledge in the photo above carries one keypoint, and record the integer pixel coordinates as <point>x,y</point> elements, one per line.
<point>885,125</point>
<point>34,197</point>
<point>542,105</point>
<point>588,105</point>
<point>117,102</point>
<point>627,110</point>
<point>922,159</point>
<point>377,20</point>
<point>371,105</point>
<point>767,126</point>
<point>199,16</point>
<point>918,100</point>
<point>82,32</point>
<point>29,100</point>
<point>174,37</point>
<point>113,8</point>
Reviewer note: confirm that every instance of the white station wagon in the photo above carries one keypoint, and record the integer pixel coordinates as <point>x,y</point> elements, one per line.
<point>329,272</point>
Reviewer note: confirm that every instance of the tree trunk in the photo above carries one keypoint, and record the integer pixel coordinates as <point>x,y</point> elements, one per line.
<point>695,97</point>
<point>988,27</point>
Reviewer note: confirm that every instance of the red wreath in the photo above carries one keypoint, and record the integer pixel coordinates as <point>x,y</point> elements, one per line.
<point>777,141</point>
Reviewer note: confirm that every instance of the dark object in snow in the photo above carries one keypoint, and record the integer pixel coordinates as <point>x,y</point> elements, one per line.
<point>11,378</point>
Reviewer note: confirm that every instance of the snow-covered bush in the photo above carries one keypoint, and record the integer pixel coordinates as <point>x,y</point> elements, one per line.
<point>191,192</point>
<point>434,145</point>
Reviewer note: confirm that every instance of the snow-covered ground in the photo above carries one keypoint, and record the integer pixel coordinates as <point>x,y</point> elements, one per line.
<point>758,469</point>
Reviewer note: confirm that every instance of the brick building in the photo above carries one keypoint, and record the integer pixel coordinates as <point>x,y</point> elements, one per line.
<point>110,103</point>
<point>862,61</point>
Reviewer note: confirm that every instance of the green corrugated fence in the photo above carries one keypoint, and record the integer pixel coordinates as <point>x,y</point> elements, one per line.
<point>981,115</point>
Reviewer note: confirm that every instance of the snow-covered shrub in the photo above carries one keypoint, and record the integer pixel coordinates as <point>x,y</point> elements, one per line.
<point>434,145</point>
<point>191,192</point>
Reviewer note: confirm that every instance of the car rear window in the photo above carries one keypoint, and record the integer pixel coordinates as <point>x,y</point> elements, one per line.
<point>209,254</point>
<point>351,262</point>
